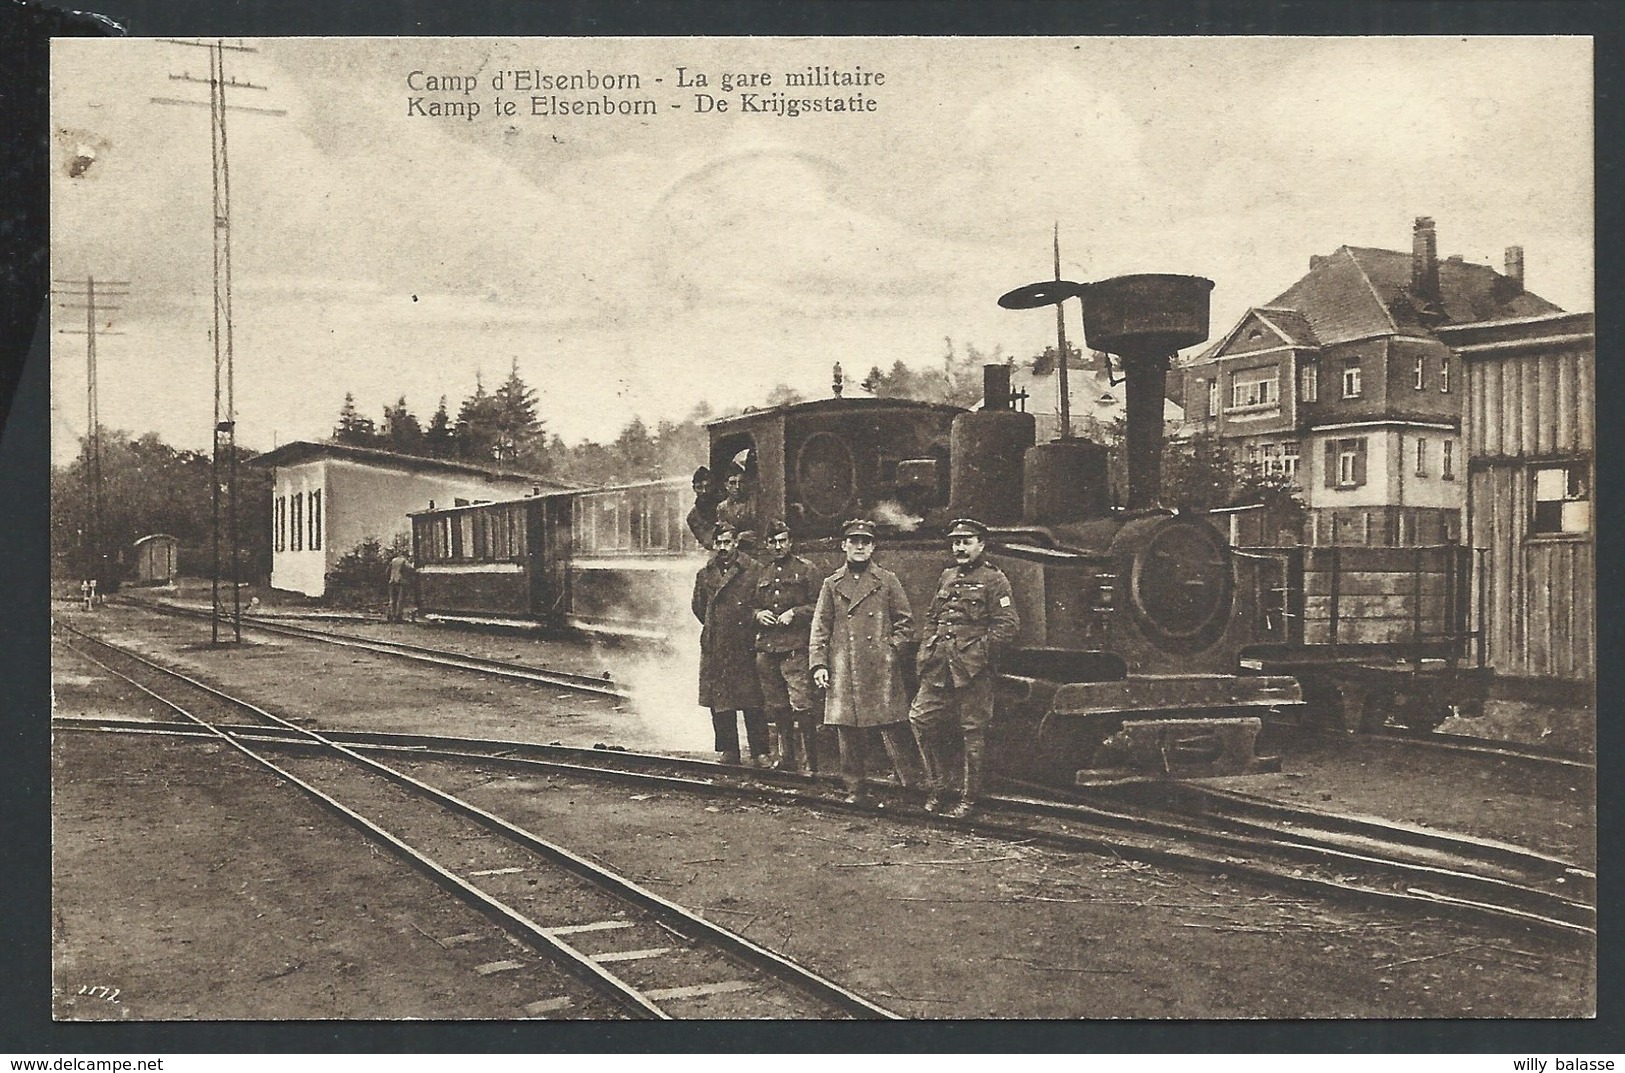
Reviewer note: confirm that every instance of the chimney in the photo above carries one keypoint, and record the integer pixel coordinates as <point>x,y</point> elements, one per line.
<point>1315,261</point>
<point>1425,261</point>
<point>1514,263</point>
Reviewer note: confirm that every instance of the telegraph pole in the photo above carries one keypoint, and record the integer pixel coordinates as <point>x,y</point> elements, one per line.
<point>225,403</point>
<point>94,567</point>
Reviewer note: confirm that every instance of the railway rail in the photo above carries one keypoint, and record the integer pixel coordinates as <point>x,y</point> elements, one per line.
<point>604,685</point>
<point>649,956</point>
<point>599,685</point>
<point>1340,857</point>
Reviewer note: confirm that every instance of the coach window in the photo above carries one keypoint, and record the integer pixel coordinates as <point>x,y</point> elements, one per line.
<point>1562,499</point>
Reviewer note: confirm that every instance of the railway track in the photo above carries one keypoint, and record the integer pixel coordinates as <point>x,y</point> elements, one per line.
<point>646,955</point>
<point>604,685</point>
<point>599,685</point>
<point>1178,825</point>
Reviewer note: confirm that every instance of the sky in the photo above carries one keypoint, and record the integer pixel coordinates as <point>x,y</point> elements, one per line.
<point>639,265</point>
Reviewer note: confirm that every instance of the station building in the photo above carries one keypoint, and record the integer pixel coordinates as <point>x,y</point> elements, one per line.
<point>327,498</point>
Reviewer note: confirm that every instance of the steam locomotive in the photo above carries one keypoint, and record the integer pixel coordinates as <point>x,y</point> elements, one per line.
<point>1136,622</point>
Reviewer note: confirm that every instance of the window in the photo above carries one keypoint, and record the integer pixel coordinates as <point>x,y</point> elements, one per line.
<point>1309,383</point>
<point>1444,375</point>
<point>1345,463</point>
<point>1213,397</point>
<point>1562,499</point>
<point>1279,459</point>
<point>315,521</point>
<point>1351,380</point>
<point>1254,390</point>
<point>281,523</point>
<point>1448,463</point>
<point>298,526</point>
<point>1421,372</point>
<point>1421,457</point>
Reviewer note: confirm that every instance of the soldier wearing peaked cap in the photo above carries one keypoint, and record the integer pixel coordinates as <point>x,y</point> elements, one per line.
<point>786,592</point>
<point>724,590</point>
<point>862,629</point>
<point>972,618</point>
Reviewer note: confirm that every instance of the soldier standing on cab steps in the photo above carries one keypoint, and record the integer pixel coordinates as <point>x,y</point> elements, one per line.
<point>972,618</point>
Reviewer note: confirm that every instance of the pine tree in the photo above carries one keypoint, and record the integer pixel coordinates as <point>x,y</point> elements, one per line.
<point>438,441</point>
<point>478,428</point>
<point>519,429</point>
<point>402,432</point>
<point>353,429</point>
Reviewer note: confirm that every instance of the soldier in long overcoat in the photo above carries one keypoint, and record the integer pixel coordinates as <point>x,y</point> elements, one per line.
<point>862,633</point>
<point>724,595</point>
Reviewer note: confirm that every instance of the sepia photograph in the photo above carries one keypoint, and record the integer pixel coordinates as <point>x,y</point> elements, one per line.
<point>822,528</point>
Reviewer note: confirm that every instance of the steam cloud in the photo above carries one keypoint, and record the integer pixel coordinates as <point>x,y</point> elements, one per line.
<point>892,513</point>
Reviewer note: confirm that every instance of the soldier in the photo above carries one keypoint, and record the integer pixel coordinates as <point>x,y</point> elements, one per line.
<point>400,575</point>
<point>703,517</point>
<point>723,591</point>
<point>786,590</point>
<point>862,630</point>
<point>972,618</point>
<point>739,509</point>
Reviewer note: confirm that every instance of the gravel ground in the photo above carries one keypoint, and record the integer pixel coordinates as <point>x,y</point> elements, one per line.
<point>201,888</point>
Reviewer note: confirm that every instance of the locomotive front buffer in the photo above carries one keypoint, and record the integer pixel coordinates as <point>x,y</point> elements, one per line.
<point>1169,727</point>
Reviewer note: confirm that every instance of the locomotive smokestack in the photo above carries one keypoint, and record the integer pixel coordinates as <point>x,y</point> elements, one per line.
<point>1145,381</point>
<point>1145,320</point>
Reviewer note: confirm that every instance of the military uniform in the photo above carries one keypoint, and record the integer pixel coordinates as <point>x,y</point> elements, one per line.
<point>728,683</point>
<point>741,514</point>
<point>781,653</point>
<point>972,617</point>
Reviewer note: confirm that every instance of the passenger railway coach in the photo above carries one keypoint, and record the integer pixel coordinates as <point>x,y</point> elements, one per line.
<point>611,559</point>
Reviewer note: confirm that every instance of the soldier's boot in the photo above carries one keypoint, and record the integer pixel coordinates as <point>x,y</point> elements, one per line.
<point>902,757</point>
<point>974,748</point>
<point>809,742</point>
<point>785,729</point>
<point>935,774</point>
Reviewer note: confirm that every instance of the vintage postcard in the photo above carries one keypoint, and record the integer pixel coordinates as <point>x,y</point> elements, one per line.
<point>823,528</point>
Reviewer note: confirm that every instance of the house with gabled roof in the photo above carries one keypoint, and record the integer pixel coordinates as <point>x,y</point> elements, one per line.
<point>1342,383</point>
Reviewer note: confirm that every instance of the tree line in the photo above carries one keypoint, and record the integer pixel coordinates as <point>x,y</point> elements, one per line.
<point>150,487</point>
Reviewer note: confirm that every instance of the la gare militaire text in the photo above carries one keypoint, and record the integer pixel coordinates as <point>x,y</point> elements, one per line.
<point>451,95</point>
